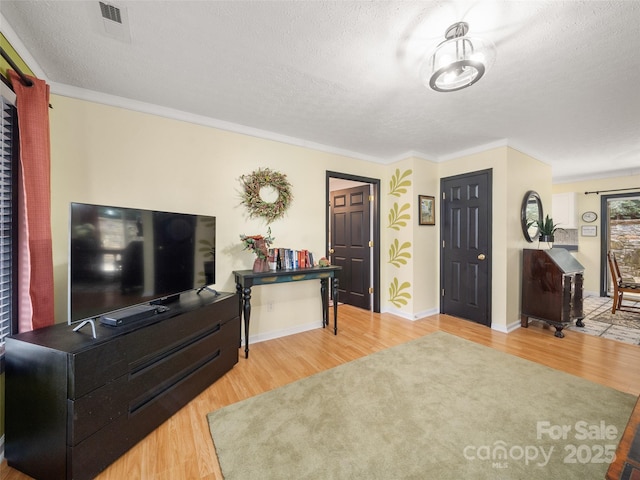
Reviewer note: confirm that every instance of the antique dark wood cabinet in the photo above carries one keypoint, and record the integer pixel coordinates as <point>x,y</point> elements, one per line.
<point>552,284</point>
<point>75,403</point>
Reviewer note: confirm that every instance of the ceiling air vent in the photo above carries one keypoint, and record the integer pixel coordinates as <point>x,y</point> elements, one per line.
<point>110,12</point>
<point>115,22</point>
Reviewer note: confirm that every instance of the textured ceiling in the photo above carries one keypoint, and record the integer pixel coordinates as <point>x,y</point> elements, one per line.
<point>342,75</point>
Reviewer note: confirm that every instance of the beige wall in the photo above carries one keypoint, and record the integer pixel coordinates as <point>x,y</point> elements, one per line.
<point>422,271</point>
<point>513,175</point>
<point>107,155</point>
<point>589,248</point>
<point>113,156</point>
<point>426,239</point>
<point>496,160</point>
<point>524,173</point>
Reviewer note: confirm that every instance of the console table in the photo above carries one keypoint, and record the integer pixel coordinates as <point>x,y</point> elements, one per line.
<point>245,279</point>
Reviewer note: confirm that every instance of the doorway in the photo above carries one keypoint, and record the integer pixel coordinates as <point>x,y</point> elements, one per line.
<point>620,224</point>
<point>465,258</point>
<point>353,237</point>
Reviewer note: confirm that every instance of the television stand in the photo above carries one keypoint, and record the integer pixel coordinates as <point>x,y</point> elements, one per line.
<point>74,404</point>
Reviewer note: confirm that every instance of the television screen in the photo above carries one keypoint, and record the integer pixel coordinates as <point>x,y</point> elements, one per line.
<point>120,257</point>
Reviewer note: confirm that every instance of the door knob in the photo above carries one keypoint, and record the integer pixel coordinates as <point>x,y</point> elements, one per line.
<point>331,250</point>
<point>481,256</point>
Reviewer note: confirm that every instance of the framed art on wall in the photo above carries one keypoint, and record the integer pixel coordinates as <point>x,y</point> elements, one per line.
<point>426,210</point>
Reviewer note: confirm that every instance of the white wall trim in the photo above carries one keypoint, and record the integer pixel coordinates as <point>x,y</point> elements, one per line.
<point>409,316</point>
<point>397,313</point>
<point>20,49</point>
<point>508,329</point>
<point>470,151</point>
<point>142,107</point>
<point>413,153</point>
<point>262,337</point>
<point>425,314</point>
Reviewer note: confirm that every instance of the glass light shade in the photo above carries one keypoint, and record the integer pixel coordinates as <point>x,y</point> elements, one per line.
<point>457,63</point>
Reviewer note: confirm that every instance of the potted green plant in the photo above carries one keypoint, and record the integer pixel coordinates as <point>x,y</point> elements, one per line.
<point>547,229</point>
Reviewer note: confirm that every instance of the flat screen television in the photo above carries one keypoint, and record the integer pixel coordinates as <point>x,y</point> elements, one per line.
<point>120,257</point>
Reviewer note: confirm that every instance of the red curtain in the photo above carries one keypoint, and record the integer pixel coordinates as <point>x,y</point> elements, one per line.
<point>35,258</point>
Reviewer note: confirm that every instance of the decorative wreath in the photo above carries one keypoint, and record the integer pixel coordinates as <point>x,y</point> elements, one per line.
<point>264,177</point>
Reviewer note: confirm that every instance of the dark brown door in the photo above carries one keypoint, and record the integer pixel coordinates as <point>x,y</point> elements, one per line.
<point>350,236</point>
<point>465,269</point>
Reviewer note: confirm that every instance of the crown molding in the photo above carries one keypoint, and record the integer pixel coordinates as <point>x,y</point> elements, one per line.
<point>152,109</point>
<point>473,150</point>
<point>629,172</point>
<point>21,50</point>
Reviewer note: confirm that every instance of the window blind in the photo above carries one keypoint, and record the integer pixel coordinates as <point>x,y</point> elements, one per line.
<point>8,211</point>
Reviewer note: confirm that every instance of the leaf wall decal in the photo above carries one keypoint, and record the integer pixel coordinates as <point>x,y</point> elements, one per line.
<point>398,219</point>
<point>399,183</point>
<point>398,254</point>
<point>396,295</point>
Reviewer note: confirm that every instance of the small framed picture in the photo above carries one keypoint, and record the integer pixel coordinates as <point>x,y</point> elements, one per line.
<point>589,231</point>
<point>426,210</point>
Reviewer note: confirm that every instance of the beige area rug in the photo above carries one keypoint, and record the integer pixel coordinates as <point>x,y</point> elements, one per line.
<point>623,326</point>
<point>439,407</point>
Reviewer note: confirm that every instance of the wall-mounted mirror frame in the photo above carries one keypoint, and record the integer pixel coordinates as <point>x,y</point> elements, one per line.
<point>531,212</point>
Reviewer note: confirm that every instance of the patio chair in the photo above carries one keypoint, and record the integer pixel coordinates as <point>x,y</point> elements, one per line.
<point>620,285</point>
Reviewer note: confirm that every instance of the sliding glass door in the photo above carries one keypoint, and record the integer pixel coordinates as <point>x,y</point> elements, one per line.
<point>621,235</point>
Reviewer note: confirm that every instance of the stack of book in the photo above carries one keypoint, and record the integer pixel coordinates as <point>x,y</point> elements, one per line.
<point>288,259</point>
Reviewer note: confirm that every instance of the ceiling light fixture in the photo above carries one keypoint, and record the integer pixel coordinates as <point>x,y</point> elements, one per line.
<point>458,62</point>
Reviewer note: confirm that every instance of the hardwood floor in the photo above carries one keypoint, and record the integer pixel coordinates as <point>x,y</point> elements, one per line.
<point>182,449</point>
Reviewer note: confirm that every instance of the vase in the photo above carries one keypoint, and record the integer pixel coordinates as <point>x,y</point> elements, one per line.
<point>260,265</point>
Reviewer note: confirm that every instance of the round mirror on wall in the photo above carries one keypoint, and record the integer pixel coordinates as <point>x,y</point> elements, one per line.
<point>530,215</point>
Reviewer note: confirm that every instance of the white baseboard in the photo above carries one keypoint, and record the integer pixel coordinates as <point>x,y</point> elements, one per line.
<point>409,316</point>
<point>262,337</point>
<point>425,314</point>
<point>434,311</point>
<point>508,329</point>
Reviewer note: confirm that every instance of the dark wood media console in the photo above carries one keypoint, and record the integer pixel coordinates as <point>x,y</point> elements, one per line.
<point>75,403</point>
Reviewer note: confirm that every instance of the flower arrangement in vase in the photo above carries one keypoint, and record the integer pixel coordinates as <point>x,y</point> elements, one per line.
<point>259,245</point>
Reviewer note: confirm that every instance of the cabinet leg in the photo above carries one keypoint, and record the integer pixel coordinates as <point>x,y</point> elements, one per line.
<point>325,302</point>
<point>240,308</point>
<point>246,301</point>
<point>579,323</point>
<point>334,284</point>
<point>524,321</point>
